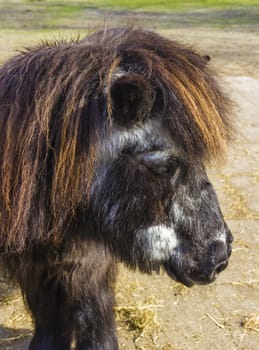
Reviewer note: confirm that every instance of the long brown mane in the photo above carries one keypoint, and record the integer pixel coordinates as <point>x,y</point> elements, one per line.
<point>52,103</point>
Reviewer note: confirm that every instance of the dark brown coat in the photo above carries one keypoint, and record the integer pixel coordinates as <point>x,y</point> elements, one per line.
<point>103,143</point>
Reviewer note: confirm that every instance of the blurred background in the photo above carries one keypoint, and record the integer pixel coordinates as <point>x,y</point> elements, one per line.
<point>152,311</point>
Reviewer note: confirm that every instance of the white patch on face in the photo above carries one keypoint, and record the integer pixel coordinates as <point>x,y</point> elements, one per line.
<point>178,212</point>
<point>144,136</point>
<point>180,216</point>
<point>193,203</point>
<point>160,242</point>
<point>221,236</point>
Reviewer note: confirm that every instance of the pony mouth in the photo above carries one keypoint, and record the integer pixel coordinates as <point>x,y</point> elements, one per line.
<point>192,279</point>
<point>172,273</point>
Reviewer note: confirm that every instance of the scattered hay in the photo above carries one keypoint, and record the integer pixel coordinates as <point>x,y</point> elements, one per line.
<point>16,322</point>
<point>9,300</point>
<point>241,244</point>
<point>238,207</point>
<point>179,289</point>
<point>138,318</point>
<point>251,323</point>
<point>256,176</point>
<point>167,347</point>
<point>19,336</point>
<point>215,321</point>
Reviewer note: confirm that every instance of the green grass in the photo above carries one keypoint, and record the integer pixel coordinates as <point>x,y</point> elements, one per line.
<point>62,15</point>
<point>154,5</point>
<point>164,5</point>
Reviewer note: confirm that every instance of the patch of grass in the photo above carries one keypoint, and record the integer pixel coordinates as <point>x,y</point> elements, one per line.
<point>80,14</point>
<point>24,14</point>
<point>155,5</point>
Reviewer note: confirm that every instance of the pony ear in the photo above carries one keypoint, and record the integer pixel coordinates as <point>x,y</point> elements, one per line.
<point>132,99</point>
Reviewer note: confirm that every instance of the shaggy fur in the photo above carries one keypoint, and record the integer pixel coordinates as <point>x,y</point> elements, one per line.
<point>80,123</point>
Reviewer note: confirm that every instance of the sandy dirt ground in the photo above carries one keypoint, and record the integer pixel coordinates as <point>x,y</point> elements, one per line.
<point>154,312</point>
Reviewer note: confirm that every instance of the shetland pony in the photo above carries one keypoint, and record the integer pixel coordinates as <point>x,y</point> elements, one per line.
<point>103,147</point>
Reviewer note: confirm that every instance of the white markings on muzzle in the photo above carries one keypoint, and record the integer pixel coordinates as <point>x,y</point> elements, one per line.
<point>160,242</point>
<point>221,236</point>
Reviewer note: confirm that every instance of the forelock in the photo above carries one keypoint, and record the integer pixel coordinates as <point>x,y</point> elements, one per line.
<point>190,100</point>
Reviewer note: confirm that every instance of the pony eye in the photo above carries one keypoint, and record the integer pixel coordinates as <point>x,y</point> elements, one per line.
<point>168,169</point>
<point>160,163</point>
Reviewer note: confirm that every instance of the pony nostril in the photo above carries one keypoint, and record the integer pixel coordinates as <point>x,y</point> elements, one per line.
<point>218,268</point>
<point>219,254</point>
<point>221,266</point>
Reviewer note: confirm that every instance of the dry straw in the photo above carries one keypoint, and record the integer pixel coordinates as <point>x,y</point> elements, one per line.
<point>251,322</point>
